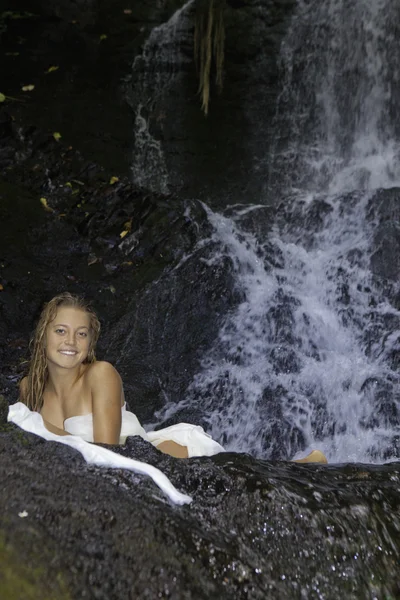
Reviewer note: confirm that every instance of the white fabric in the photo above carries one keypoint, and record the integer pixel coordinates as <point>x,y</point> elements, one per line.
<point>197,441</point>
<point>31,421</point>
<point>82,425</point>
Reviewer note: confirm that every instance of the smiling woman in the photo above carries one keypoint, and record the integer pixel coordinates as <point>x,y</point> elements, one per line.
<point>75,394</point>
<point>64,379</point>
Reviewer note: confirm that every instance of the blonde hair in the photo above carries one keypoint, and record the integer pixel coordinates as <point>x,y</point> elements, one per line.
<point>38,370</point>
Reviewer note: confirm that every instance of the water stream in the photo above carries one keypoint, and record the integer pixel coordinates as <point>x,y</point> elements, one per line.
<point>306,358</point>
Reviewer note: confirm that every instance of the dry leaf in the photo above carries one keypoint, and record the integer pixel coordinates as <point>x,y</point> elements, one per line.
<point>112,289</point>
<point>52,69</point>
<point>2,97</point>
<point>43,201</point>
<point>127,11</point>
<point>1,288</point>
<point>123,233</point>
<point>103,37</point>
<point>28,88</point>
<point>114,180</point>
<point>128,225</point>
<point>23,514</point>
<point>57,136</point>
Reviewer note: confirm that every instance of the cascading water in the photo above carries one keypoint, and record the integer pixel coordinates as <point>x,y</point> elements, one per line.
<point>338,111</point>
<point>308,357</point>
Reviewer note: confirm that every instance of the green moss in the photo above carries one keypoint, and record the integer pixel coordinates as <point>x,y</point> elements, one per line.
<point>19,580</point>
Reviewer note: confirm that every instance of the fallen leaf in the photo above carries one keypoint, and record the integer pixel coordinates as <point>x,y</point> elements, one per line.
<point>114,180</point>
<point>2,97</point>
<point>103,37</point>
<point>77,181</point>
<point>52,69</point>
<point>127,11</point>
<point>23,514</point>
<point>68,184</point>
<point>123,233</point>
<point>112,289</point>
<point>57,136</point>
<point>28,88</point>
<point>127,263</point>
<point>43,201</point>
<point>1,288</point>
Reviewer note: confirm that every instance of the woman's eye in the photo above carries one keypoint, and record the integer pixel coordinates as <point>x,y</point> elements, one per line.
<point>60,330</point>
<point>83,334</point>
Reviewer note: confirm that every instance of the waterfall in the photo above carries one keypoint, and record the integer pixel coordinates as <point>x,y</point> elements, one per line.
<point>338,113</point>
<point>308,357</point>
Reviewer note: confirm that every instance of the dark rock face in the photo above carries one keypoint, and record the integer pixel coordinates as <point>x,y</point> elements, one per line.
<point>93,45</point>
<point>222,157</point>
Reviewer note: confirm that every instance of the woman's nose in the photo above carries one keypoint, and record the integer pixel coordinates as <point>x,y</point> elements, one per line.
<point>70,338</point>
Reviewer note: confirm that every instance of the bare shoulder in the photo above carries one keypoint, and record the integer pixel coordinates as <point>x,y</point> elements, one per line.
<point>102,371</point>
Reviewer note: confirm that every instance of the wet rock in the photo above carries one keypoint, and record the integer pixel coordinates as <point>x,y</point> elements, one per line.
<point>254,528</point>
<point>93,45</point>
<point>222,156</point>
<point>384,208</point>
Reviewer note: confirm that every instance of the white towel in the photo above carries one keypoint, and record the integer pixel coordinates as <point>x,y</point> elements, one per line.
<point>31,421</point>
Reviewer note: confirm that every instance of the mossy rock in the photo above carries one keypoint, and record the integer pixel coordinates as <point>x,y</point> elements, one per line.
<point>30,582</point>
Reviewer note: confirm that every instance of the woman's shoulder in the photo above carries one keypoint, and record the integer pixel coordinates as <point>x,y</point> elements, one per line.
<point>101,370</point>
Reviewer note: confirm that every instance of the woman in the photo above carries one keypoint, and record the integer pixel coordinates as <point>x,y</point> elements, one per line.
<point>75,394</point>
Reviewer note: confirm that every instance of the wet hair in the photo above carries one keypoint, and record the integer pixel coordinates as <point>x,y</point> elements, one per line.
<point>38,370</point>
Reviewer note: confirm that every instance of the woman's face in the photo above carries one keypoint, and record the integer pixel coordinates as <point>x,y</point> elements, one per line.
<point>68,337</point>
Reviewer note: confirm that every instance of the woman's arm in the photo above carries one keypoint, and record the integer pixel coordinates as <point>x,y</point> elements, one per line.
<point>107,397</point>
<point>23,385</point>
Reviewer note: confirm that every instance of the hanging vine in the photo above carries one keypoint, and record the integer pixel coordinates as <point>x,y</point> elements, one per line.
<point>209,46</point>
